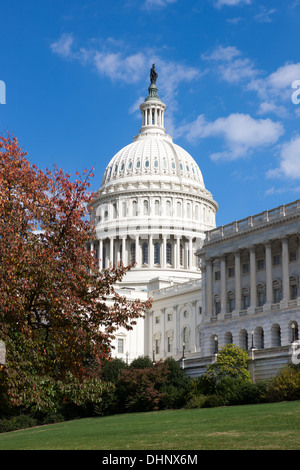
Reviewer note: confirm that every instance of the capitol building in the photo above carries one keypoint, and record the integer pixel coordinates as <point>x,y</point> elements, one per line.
<point>209,285</point>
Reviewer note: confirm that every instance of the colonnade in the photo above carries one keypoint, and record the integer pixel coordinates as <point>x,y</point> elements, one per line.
<point>252,280</point>
<point>150,251</point>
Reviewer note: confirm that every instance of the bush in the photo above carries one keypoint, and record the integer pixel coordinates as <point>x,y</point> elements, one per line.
<point>141,362</point>
<point>285,386</point>
<point>237,391</point>
<point>17,422</point>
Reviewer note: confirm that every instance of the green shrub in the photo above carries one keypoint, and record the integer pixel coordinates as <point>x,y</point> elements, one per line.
<point>237,391</point>
<point>285,386</point>
<point>17,422</point>
<point>141,362</point>
<point>196,401</point>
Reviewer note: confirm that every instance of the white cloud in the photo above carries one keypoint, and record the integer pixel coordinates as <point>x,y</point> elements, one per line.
<point>241,134</point>
<point>231,66</point>
<point>63,46</point>
<point>289,160</point>
<point>158,3</point>
<point>116,67</point>
<point>265,15</point>
<point>221,3</point>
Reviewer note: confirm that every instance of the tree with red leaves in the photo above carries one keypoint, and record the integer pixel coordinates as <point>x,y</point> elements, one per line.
<point>54,316</point>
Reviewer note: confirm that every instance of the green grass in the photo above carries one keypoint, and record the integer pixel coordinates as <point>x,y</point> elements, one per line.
<point>272,426</point>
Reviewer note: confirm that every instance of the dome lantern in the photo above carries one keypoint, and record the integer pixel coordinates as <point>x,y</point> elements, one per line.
<point>152,110</point>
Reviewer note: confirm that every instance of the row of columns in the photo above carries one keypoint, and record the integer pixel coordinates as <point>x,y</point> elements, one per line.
<point>253,280</point>
<point>115,255</point>
<point>153,116</point>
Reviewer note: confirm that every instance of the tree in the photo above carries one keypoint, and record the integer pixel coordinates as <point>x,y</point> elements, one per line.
<point>54,316</point>
<point>231,362</point>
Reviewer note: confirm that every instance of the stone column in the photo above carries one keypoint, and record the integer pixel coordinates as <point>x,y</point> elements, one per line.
<point>252,278</point>
<point>269,287</point>
<point>237,273</point>
<point>124,252</point>
<point>164,251</point>
<point>137,251</point>
<point>285,270</point>
<point>223,285</point>
<point>100,253</point>
<point>150,253</point>
<point>209,287</point>
<point>111,251</point>
<point>177,262</point>
<point>190,252</point>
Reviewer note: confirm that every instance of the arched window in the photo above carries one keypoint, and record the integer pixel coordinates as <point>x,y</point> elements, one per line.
<point>114,210</point>
<point>156,253</point>
<point>145,253</point>
<point>178,205</point>
<point>188,210</point>
<point>185,337</point>
<point>124,212</point>
<point>275,336</point>
<point>156,206</point>
<point>259,340</point>
<point>243,339</point>
<point>134,208</point>
<point>169,253</point>
<point>228,337</point>
<point>146,207</point>
<point>168,208</point>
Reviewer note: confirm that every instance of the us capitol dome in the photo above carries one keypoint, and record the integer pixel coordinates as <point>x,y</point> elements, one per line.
<point>152,207</point>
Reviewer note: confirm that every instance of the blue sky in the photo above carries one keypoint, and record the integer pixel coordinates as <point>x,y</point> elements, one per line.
<point>76,71</point>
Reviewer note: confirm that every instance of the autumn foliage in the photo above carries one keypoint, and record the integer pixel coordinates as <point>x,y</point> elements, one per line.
<point>54,318</point>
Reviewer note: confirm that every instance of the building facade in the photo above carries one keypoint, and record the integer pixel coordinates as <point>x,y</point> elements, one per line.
<point>210,286</point>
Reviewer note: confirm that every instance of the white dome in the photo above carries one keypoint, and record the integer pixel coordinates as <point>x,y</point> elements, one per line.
<point>153,158</point>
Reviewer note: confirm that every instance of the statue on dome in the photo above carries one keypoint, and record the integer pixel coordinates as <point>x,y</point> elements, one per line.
<point>153,75</point>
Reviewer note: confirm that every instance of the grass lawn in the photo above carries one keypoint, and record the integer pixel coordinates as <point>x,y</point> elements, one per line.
<point>272,426</point>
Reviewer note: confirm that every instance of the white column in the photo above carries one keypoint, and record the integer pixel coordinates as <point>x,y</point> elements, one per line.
<point>191,252</point>
<point>137,251</point>
<point>100,253</point>
<point>223,285</point>
<point>124,252</point>
<point>252,278</point>
<point>151,252</point>
<point>164,251</point>
<point>237,273</point>
<point>111,251</point>
<point>209,287</point>
<point>269,288</point>
<point>285,270</point>
<point>177,265</point>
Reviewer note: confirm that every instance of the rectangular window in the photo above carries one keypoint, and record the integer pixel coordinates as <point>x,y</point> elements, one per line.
<point>260,264</point>
<point>120,346</point>
<point>231,272</point>
<point>277,295</point>
<point>218,307</point>
<point>169,316</point>
<point>156,320</point>
<point>294,291</point>
<point>245,268</point>
<point>293,255</point>
<point>217,275</point>
<point>246,301</point>
<point>276,260</point>
<point>169,344</point>
<point>157,346</point>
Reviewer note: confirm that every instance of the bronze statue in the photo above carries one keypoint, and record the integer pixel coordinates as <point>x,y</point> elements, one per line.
<point>153,75</point>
